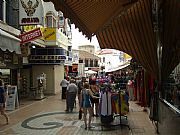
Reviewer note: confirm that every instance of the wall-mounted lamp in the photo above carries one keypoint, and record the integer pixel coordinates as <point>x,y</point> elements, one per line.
<point>33,46</point>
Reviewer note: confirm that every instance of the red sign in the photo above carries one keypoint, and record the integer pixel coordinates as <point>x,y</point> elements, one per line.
<point>31,35</point>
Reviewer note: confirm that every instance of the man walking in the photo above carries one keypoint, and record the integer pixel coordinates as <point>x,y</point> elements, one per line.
<point>71,95</point>
<point>64,83</point>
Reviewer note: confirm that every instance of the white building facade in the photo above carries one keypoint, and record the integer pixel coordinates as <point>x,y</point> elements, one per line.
<point>110,59</point>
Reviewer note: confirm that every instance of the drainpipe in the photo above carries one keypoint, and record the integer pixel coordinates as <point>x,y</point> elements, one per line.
<point>4,10</point>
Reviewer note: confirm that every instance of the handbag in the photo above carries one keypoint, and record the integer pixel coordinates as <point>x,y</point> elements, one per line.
<point>80,113</point>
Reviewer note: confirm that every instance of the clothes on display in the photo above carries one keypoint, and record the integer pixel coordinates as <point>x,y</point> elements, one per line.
<point>112,103</point>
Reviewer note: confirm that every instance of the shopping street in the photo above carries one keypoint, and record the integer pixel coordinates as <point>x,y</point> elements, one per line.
<point>47,117</point>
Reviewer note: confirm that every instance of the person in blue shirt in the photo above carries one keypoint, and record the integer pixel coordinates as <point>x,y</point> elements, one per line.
<point>3,96</point>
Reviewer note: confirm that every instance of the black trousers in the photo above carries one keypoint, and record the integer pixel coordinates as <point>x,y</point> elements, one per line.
<point>63,96</point>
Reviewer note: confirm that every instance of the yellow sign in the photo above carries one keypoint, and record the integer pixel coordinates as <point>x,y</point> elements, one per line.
<point>49,34</point>
<point>126,56</point>
<point>29,27</point>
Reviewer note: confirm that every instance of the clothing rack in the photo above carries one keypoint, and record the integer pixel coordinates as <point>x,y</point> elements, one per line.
<point>105,120</point>
<point>120,115</point>
<point>109,120</point>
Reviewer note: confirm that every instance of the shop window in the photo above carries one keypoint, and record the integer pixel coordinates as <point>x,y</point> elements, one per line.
<point>171,88</point>
<point>5,75</point>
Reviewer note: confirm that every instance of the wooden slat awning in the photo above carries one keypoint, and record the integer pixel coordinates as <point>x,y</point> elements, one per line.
<point>127,25</point>
<point>90,15</point>
<point>132,33</point>
<point>170,36</point>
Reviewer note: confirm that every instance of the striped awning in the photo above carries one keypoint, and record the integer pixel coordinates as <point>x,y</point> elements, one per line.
<point>90,15</point>
<point>132,33</point>
<point>127,25</point>
<point>170,36</point>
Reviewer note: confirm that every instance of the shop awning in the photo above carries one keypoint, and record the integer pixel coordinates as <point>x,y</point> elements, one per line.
<point>127,25</point>
<point>9,42</point>
<point>119,67</point>
<point>90,15</point>
<point>132,33</point>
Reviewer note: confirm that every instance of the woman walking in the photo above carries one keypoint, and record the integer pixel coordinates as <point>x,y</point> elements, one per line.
<point>86,104</point>
<point>3,96</point>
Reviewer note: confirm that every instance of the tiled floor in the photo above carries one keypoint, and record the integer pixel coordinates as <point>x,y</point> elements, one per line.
<point>47,117</point>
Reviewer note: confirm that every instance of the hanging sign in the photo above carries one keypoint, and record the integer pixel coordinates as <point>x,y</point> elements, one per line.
<point>31,35</point>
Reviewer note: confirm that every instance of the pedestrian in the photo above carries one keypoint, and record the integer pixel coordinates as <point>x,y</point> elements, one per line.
<point>3,98</point>
<point>64,83</point>
<point>71,95</point>
<point>86,104</point>
<point>95,102</point>
<point>130,89</point>
<point>80,84</point>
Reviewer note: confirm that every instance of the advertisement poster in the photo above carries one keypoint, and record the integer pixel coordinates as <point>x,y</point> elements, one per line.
<point>12,100</point>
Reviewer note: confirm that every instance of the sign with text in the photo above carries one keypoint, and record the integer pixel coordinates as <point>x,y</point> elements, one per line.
<point>30,12</point>
<point>47,59</point>
<point>50,34</point>
<point>31,35</point>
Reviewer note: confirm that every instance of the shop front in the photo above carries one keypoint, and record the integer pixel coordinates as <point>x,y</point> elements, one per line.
<point>50,61</point>
<point>10,61</point>
<point>10,64</point>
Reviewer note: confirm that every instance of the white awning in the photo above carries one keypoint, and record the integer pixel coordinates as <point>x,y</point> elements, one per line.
<point>119,67</point>
<point>9,42</point>
<point>90,72</point>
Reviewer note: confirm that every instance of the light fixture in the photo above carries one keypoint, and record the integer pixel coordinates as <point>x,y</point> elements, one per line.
<point>33,46</point>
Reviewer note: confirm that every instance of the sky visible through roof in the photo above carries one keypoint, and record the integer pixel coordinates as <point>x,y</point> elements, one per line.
<point>79,39</point>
